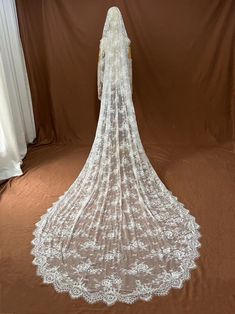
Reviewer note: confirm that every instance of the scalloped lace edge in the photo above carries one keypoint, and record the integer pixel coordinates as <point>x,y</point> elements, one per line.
<point>94,297</point>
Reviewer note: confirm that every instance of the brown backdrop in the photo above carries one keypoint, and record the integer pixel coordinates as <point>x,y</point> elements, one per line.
<point>183,66</point>
<point>184,80</point>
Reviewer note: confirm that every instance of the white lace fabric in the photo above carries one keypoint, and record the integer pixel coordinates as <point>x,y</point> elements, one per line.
<point>117,234</point>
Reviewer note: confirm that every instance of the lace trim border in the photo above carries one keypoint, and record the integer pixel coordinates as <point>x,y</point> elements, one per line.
<point>109,298</point>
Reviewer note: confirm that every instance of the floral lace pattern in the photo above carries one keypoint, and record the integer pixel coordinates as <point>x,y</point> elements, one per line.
<point>117,234</point>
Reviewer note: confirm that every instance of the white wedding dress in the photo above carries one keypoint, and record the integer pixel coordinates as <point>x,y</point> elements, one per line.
<point>117,234</point>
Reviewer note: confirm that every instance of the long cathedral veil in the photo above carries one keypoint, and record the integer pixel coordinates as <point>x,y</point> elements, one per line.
<point>117,234</point>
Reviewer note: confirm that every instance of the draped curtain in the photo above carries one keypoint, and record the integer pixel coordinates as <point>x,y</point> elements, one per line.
<point>17,126</point>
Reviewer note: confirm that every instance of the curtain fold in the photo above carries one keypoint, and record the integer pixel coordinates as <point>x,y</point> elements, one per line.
<point>17,126</point>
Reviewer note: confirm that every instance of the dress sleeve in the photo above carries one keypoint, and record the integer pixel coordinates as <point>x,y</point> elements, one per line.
<point>100,70</point>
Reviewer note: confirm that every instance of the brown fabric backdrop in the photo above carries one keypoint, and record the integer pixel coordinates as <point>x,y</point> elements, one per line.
<point>183,75</point>
<point>183,67</point>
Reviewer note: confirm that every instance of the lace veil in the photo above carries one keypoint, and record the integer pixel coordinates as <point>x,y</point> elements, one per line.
<point>117,234</point>
<point>114,50</point>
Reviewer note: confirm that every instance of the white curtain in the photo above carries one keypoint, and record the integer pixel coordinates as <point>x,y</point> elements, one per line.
<point>17,126</point>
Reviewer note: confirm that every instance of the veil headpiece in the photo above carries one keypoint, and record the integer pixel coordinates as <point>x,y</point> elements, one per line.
<point>114,44</point>
<point>114,24</point>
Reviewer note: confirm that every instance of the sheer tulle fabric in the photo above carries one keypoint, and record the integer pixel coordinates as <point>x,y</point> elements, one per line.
<point>117,234</point>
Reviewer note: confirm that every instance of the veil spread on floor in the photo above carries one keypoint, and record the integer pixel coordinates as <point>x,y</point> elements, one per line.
<point>117,234</point>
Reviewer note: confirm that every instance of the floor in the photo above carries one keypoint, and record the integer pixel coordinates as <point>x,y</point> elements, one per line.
<point>203,178</point>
